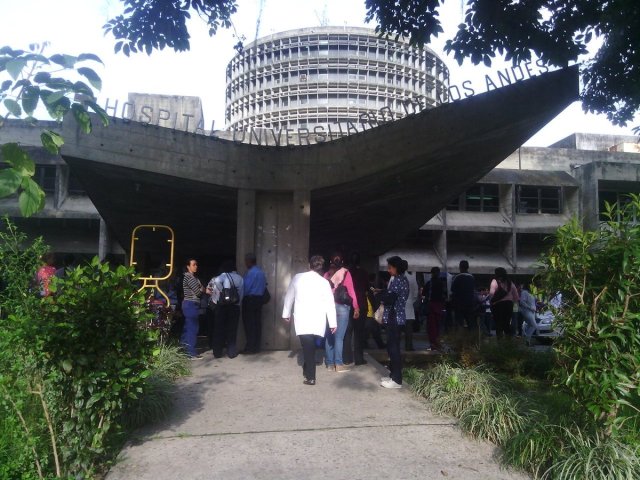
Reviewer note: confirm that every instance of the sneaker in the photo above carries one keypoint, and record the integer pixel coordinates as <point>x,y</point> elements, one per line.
<point>309,382</point>
<point>331,368</point>
<point>342,368</point>
<point>196,357</point>
<point>384,379</point>
<point>390,384</point>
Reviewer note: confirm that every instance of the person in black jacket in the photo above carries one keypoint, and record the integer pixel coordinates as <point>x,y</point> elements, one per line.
<point>435,295</point>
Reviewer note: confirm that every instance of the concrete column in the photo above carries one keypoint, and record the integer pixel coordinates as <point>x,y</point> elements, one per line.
<point>274,225</point>
<point>440,246</point>
<point>104,242</point>
<point>246,226</point>
<point>62,185</point>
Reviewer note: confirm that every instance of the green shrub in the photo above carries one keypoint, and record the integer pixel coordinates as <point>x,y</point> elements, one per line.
<point>170,361</point>
<point>153,404</point>
<point>598,273</point>
<point>496,418</point>
<point>594,457</point>
<point>70,364</point>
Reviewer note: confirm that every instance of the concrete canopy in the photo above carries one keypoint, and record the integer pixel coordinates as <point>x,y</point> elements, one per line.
<point>367,190</point>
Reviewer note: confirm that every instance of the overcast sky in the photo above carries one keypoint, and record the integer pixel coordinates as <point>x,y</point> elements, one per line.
<point>75,26</point>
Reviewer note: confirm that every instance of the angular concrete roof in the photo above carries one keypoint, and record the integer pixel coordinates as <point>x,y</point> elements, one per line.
<point>368,190</point>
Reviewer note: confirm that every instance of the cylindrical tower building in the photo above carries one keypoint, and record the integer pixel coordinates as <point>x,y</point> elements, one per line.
<point>327,75</point>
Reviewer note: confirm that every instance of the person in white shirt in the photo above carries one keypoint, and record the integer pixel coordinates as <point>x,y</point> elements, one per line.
<point>228,287</point>
<point>310,299</point>
<point>410,310</point>
<point>527,310</point>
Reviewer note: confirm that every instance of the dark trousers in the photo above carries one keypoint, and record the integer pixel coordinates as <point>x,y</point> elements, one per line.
<point>502,313</point>
<point>433,323</point>
<point>210,316</point>
<point>225,330</point>
<point>373,328</point>
<point>308,343</point>
<point>393,349</point>
<point>466,315</point>
<point>408,333</point>
<point>252,320</point>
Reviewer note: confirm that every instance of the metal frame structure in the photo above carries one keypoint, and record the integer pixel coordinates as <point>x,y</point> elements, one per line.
<point>152,282</point>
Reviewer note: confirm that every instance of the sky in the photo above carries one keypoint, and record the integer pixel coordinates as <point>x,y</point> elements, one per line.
<point>75,26</point>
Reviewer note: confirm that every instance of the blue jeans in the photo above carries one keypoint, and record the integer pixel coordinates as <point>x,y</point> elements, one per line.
<point>530,326</point>
<point>335,341</point>
<point>190,310</point>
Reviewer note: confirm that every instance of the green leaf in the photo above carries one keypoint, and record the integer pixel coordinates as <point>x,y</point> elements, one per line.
<point>30,98</point>
<point>92,76</point>
<point>31,199</point>
<point>13,107</point>
<point>89,56</point>
<point>104,116</point>
<point>51,141</point>
<point>67,365</point>
<point>82,117</point>
<point>19,159</point>
<point>42,77</point>
<point>15,66</point>
<point>5,85</point>
<point>67,61</point>
<point>9,182</point>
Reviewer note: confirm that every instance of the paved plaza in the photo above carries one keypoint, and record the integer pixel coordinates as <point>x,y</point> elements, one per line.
<point>251,417</point>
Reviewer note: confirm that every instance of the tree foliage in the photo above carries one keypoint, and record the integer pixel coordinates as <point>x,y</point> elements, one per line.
<point>71,364</point>
<point>59,84</point>
<point>146,25</point>
<point>598,274</point>
<point>557,32</point>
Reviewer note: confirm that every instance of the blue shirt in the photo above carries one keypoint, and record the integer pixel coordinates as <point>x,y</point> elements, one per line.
<point>400,286</point>
<point>255,282</point>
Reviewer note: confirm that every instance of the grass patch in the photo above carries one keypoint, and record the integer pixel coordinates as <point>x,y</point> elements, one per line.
<point>541,430</point>
<point>156,400</point>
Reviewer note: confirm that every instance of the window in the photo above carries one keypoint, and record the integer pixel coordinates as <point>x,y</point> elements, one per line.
<point>479,198</point>
<point>482,198</point>
<point>617,199</point>
<point>75,187</point>
<point>539,199</point>
<point>45,176</point>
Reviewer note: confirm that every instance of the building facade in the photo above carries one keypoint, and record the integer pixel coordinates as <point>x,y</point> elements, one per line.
<point>328,76</point>
<point>507,218</point>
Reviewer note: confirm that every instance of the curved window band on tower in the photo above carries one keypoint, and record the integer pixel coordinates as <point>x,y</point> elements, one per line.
<point>330,75</point>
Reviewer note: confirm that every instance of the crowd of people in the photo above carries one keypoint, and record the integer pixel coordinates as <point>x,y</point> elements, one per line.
<point>337,307</point>
<point>343,306</point>
<point>227,296</point>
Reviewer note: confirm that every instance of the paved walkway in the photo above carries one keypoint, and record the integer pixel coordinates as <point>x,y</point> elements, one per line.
<point>251,417</point>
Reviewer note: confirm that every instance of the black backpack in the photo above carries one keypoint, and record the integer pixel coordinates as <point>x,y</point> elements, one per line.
<point>229,296</point>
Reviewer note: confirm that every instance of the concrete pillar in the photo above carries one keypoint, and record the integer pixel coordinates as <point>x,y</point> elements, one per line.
<point>104,242</point>
<point>275,226</point>
<point>440,246</point>
<point>62,185</point>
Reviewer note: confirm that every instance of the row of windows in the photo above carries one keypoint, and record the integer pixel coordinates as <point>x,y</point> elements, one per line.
<point>45,176</point>
<point>371,102</point>
<point>354,45</point>
<point>349,77</point>
<point>529,199</point>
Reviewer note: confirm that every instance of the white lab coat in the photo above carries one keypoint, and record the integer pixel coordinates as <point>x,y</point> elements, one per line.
<point>311,298</point>
<point>413,296</point>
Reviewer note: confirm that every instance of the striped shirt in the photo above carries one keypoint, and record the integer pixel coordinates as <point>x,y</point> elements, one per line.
<point>192,288</point>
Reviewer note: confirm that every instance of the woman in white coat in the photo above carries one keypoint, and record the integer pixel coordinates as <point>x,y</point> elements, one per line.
<point>310,296</point>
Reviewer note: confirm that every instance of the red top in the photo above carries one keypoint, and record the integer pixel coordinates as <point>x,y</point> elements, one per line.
<point>44,276</point>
